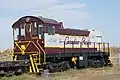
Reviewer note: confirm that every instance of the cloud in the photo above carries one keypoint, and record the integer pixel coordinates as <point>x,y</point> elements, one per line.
<point>51,8</point>
<point>25,4</point>
<point>69,13</point>
<point>71,6</point>
<point>40,4</point>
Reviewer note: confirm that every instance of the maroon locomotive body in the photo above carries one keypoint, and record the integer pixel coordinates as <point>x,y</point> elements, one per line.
<point>46,42</point>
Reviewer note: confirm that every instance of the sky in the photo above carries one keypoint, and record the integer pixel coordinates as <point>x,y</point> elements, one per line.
<point>101,15</point>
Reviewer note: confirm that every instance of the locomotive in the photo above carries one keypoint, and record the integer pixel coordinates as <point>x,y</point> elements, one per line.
<point>44,43</point>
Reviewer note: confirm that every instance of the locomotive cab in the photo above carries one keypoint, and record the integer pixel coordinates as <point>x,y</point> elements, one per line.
<point>29,27</point>
<point>27,31</point>
<point>29,38</point>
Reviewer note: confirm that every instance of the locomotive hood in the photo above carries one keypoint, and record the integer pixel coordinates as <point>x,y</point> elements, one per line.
<point>95,36</point>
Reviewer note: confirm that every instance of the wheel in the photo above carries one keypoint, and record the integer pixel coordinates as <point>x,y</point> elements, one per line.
<point>2,72</point>
<point>94,64</point>
<point>50,67</point>
<point>19,71</point>
<point>9,73</point>
<point>110,64</point>
<point>68,66</point>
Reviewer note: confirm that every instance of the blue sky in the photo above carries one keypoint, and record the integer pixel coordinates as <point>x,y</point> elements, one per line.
<point>101,15</point>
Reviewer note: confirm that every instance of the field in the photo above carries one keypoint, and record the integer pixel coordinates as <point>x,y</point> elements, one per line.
<point>104,73</point>
<point>83,74</point>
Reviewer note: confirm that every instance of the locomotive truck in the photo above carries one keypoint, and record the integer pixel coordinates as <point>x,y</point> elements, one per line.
<point>42,43</point>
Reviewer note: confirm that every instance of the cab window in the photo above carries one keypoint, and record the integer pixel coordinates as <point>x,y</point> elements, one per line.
<point>34,29</point>
<point>28,28</point>
<point>21,30</point>
<point>51,30</point>
<point>18,32</point>
<point>41,30</point>
<point>34,32</point>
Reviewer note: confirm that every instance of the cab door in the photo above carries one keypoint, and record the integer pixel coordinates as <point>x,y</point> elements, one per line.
<point>31,30</point>
<point>34,30</point>
<point>41,31</point>
<point>27,30</point>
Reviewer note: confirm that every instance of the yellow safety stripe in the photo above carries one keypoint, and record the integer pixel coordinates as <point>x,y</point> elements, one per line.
<point>32,64</point>
<point>30,70</point>
<point>18,46</point>
<point>37,48</point>
<point>27,52</point>
<point>28,44</point>
<point>15,57</point>
<point>43,52</point>
<point>37,68</point>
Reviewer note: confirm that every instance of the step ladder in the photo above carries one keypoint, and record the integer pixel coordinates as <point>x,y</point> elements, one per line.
<point>35,67</point>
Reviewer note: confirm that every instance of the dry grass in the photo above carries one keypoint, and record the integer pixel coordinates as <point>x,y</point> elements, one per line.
<point>5,55</point>
<point>111,73</point>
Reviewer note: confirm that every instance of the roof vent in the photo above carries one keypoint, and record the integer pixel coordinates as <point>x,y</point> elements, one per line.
<point>86,29</point>
<point>40,16</point>
<point>61,23</point>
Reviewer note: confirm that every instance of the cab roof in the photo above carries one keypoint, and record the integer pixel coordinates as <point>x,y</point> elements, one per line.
<point>34,18</point>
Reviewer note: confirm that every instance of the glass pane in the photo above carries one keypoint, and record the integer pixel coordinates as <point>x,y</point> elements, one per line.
<point>34,32</point>
<point>41,25</point>
<point>35,25</point>
<point>19,31</point>
<point>41,30</point>
<point>16,33</point>
<point>27,28</point>
<point>22,32</point>
<point>51,30</point>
